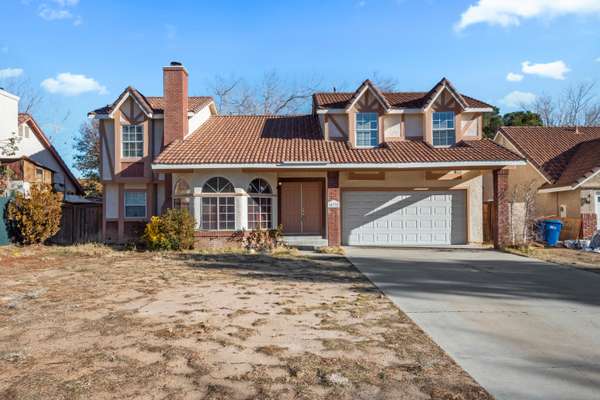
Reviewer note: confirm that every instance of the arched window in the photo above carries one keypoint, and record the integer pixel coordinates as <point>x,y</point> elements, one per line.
<point>218,205</point>
<point>260,202</point>
<point>182,195</point>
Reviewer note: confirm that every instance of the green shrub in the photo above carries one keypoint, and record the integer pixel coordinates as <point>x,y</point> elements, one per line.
<point>174,230</point>
<point>36,217</point>
<point>263,239</point>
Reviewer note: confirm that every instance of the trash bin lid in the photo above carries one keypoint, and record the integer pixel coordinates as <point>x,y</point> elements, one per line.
<point>554,221</point>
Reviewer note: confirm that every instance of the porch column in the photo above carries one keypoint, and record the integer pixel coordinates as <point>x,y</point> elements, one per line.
<point>501,207</point>
<point>334,234</point>
<point>197,208</point>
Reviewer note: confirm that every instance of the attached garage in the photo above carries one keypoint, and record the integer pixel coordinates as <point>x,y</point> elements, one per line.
<point>419,218</point>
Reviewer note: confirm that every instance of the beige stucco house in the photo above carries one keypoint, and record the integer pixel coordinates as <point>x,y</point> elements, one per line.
<point>563,167</point>
<point>363,168</point>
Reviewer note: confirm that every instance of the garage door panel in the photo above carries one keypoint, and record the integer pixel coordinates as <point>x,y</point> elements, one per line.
<point>404,218</point>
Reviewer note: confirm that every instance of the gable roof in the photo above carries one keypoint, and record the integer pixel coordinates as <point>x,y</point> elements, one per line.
<point>563,155</point>
<point>264,139</point>
<point>151,104</point>
<point>37,131</point>
<point>341,100</point>
<point>366,85</point>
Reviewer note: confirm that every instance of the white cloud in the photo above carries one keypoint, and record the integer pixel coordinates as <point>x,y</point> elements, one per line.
<point>517,99</point>
<point>512,12</point>
<point>512,77</point>
<point>66,3</point>
<point>51,14</point>
<point>597,59</point>
<point>554,70</point>
<point>72,85</point>
<point>10,73</point>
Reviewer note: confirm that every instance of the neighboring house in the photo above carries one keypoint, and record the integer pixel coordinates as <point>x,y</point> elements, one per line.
<point>34,149</point>
<point>364,168</point>
<point>563,166</point>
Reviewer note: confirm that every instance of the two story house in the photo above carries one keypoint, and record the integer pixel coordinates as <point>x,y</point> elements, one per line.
<point>363,168</point>
<point>36,160</point>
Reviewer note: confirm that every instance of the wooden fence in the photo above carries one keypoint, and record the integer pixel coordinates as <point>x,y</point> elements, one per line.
<point>80,223</point>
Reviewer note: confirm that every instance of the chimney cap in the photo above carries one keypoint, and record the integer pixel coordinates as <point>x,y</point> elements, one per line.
<point>176,64</point>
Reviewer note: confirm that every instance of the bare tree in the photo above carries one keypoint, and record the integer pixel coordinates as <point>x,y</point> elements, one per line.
<point>385,83</point>
<point>271,95</point>
<point>578,105</point>
<point>30,97</point>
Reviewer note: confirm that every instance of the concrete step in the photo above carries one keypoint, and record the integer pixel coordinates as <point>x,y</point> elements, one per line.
<point>305,242</point>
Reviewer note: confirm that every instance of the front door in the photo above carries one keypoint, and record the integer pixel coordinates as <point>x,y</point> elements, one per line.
<point>302,207</point>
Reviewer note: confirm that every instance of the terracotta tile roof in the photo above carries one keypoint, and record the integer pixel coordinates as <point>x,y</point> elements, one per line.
<point>154,103</point>
<point>561,154</point>
<point>275,139</point>
<point>396,99</point>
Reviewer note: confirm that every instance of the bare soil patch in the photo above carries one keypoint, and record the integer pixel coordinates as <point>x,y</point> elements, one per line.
<point>93,323</point>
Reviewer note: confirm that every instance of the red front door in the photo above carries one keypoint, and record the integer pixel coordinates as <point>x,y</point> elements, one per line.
<point>302,207</point>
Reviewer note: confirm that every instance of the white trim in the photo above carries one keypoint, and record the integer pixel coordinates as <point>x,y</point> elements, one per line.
<point>325,164</point>
<point>556,189</point>
<point>379,98</point>
<point>120,103</point>
<point>400,110</point>
<point>581,181</point>
<point>432,101</point>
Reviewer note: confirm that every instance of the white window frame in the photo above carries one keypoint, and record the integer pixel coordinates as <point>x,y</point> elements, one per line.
<point>443,129</point>
<point>260,196</point>
<point>369,131</point>
<point>134,142</point>
<point>125,204</point>
<point>221,199</point>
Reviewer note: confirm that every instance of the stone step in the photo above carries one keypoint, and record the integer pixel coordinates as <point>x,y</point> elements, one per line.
<point>305,242</point>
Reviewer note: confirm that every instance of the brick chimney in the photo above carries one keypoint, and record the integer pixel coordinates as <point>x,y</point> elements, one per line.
<point>175,87</point>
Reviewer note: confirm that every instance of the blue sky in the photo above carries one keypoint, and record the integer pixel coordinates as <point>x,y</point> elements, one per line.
<point>81,53</point>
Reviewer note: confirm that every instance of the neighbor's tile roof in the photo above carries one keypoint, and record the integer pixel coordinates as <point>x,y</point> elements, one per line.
<point>396,99</point>
<point>275,139</point>
<point>561,154</point>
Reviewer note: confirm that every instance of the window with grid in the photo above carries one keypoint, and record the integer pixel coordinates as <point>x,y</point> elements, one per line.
<point>218,207</point>
<point>260,205</point>
<point>367,129</point>
<point>132,140</point>
<point>443,129</point>
<point>135,204</point>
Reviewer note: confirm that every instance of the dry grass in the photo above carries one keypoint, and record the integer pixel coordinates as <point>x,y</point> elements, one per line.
<point>559,255</point>
<point>331,250</point>
<point>91,322</point>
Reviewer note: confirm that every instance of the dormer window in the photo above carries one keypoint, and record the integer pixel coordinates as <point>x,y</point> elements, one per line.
<point>132,141</point>
<point>443,129</point>
<point>367,129</point>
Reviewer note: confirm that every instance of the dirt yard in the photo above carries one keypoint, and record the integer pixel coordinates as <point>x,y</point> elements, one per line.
<point>576,258</point>
<point>93,323</point>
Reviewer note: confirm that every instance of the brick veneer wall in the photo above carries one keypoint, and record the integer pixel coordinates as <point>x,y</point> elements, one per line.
<point>502,217</point>
<point>589,225</point>
<point>217,239</point>
<point>334,234</point>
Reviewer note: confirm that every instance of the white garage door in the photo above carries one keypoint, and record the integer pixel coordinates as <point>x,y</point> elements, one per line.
<point>404,218</point>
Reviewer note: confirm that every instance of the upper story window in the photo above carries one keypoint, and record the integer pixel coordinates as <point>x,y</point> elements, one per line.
<point>443,129</point>
<point>132,140</point>
<point>367,129</point>
<point>39,175</point>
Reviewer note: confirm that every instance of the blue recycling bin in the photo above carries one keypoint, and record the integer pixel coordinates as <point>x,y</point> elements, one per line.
<point>552,230</point>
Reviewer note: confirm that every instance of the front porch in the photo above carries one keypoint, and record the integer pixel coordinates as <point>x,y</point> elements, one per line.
<point>380,208</point>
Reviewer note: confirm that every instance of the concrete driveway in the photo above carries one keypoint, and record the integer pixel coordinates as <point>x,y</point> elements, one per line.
<point>524,329</point>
